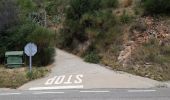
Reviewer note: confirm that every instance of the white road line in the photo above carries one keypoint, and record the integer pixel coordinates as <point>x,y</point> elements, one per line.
<point>94,91</point>
<point>57,87</point>
<point>10,94</point>
<point>48,93</point>
<point>141,90</point>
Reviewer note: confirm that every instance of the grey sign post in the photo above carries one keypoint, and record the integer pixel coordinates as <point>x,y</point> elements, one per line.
<point>30,50</point>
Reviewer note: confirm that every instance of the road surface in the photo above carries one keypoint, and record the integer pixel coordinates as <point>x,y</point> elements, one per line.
<point>71,72</point>
<point>92,94</point>
<point>73,79</point>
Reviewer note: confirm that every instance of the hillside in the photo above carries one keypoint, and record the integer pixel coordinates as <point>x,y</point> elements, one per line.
<point>120,34</point>
<point>127,35</point>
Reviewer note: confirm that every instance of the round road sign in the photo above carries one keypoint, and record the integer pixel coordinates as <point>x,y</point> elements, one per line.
<point>30,49</point>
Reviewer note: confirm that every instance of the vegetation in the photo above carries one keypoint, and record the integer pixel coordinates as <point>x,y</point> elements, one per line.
<point>155,59</point>
<point>14,78</point>
<point>7,21</point>
<point>17,28</point>
<point>89,20</point>
<point>156,6</point>
<point>45,42</point>
<point>36,73</point>
<point>125,18</point>
<point>98,30</point>
<point>92,57</point>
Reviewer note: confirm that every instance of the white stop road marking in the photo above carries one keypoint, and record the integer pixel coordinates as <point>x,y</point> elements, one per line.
<point>62,82</point>
<point>71,79</point>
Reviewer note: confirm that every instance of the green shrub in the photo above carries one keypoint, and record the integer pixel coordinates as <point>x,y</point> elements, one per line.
<point>74,29</point>
<point>125,18</point>
<point>26,5</point>
<point>56,9</point>
<point>52,6</point>
<point>16,30</point>
<point>79,7</point>
<point>101,20</point>
<point>92,57</point>
<point>45,41</point>
<point>156,6</point>
<point>84,17</point>
<point>18,35</point>
<point>105,20</point>
<point>109,3</point>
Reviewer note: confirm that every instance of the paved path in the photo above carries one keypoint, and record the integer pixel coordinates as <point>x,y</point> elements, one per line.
<point>70,72</point>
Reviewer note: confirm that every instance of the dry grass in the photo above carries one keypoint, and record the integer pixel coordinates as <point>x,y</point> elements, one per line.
<point>151,60</point>
<point>14,78</point>
<point>126,3</point>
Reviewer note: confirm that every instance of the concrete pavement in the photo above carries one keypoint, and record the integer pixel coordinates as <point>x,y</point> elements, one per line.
<point>70,71</point>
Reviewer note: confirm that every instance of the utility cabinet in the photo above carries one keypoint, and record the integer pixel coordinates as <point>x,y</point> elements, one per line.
<point>14,59</point>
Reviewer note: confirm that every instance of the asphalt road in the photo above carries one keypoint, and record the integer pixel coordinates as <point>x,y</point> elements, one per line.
<point>92,94</point>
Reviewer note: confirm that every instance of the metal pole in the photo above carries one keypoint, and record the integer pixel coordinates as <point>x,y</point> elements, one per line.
<point>30,64</point>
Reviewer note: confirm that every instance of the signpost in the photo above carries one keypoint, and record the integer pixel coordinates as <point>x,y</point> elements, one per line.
<point>30,50</point>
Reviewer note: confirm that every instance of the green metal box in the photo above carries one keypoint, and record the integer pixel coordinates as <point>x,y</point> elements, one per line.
<point>14,59</point>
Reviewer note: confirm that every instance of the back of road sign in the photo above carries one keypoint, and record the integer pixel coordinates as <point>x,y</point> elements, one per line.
<point>30,49</point>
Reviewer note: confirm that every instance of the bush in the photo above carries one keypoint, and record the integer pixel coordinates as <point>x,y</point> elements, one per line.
<point>44,39</point>
<point>109,3</point>
<point>26,6</point>
<point>156,6</point>
<point>79,7</point>
<point>105,20</point>
<point>92,57</point>
<point>74,29</point>
<point>125,18</point>
<point>101,20</point>
<point>16,30</point>
<point>20,35</point>
<point>56,9</point>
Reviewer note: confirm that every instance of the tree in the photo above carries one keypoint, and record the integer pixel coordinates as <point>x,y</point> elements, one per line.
<point>79,7</point>
<point>35,10</point>
<point>17,29</point>
<point>74,30</point>
<point>8,18</point>
<point>8,14</point>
